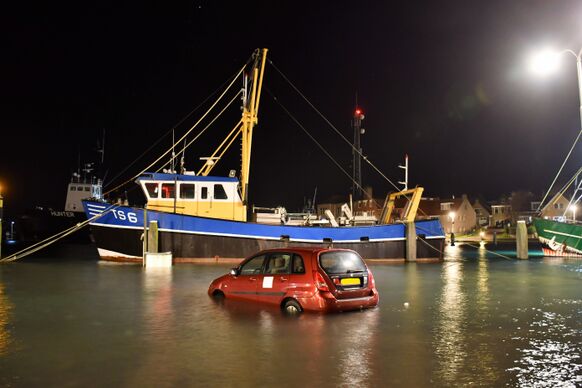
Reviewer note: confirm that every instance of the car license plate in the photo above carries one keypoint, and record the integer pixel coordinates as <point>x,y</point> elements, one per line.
<point>350,281</point>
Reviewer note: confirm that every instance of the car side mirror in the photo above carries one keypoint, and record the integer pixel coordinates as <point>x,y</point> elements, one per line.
<point>234,271</point>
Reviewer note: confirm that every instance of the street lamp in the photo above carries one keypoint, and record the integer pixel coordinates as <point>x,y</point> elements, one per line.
<point>452,217</point>
<point>547,61</point>
<point>573,209</point>
<point>12,230</point>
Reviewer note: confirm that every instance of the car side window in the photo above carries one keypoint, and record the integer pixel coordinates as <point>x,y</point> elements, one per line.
<point>254,266</point>
<point>278,263</point>
<point>298,266</point>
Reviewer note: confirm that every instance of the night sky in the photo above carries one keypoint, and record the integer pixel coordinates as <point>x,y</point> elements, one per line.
<point>443,81</point>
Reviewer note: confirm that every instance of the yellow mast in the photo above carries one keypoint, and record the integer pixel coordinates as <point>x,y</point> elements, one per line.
<point>249,120</point>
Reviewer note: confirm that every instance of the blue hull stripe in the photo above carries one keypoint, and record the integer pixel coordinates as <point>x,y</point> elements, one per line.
<point>132,218</point>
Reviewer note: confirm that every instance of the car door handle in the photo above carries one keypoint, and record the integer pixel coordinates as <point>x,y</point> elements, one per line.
<point>252,279</point>
<point>283,279</point>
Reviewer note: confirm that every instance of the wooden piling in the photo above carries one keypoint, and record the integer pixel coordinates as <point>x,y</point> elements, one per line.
<point>410,241</point>
<point>521,240</point>
<point>153,237</point>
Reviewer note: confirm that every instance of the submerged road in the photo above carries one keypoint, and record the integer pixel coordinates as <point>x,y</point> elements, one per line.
<point>476,319</point>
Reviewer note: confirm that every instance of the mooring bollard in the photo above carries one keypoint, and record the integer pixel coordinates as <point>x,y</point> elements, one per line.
<point>521,240</point>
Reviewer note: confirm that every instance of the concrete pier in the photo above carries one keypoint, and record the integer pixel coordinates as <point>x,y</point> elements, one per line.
<point>153,258</point>
<point>410,242</point>
<point>521,240</point>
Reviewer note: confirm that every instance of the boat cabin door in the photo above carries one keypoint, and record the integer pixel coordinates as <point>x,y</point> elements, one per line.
<point>204,203</point>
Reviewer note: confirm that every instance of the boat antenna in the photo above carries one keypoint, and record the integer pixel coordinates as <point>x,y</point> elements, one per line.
<point>101,150</point>
<point>313,202</point>
<point>79,165</point>
<point>357,151</point>
<point>173,160</point>
<point>182,160</point>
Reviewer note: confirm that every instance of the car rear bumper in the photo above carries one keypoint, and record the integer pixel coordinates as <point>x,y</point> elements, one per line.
<point>326,302</point>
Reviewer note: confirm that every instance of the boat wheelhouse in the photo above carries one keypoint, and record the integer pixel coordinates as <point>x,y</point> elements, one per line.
<point>203,196</point>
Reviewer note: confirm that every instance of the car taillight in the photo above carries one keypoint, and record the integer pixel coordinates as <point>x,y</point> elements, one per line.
<point>320,282</point>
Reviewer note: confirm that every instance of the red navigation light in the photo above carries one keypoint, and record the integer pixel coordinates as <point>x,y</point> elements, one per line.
<point>358,112</point>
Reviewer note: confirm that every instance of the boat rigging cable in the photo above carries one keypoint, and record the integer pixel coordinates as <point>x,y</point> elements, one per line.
<point>340,134</point>
<point>54,238</point>
<point>183,136</point>
<point>356,183</point>
<point>560,170</point>
<point>333,127</point>
<point>354,149</point>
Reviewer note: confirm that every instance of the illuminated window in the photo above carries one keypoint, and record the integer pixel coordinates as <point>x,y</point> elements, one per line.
<point>168,190</point>
<point>219,192</point>
<point>446,205</point>
<point>187,190</point>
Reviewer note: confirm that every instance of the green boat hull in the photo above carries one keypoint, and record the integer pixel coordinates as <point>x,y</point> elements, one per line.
<point>559,238</point>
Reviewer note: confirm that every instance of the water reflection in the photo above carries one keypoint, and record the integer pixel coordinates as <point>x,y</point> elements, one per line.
<point>550,350</point>
<point>450,327</point>
<point>360,349</point>
<point>309,349</point>
<point>5,314</point>
<point>483,353</point>
<point>156,322</point>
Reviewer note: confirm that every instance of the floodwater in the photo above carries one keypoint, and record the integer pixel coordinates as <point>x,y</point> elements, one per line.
<point>477,319</point>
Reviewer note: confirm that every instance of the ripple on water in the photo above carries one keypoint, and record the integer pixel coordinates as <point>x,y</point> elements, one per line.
<point>550,352</point>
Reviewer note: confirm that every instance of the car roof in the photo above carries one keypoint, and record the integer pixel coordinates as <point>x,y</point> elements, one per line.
<point>303,249</point>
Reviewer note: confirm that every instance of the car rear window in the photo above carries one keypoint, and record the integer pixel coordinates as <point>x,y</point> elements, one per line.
<point>338,262</point>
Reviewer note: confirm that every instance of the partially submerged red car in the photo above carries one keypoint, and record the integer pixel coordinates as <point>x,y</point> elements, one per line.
<point>298,279</point>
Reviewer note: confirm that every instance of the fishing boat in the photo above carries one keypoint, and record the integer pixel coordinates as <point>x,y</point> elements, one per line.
<point>559,238</point>
<point>204,218</point>
<point>41,222</point>
<point>558,234</point>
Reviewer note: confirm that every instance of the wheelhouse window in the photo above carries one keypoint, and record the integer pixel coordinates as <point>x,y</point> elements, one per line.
<point>168,190</point>
<point>204,193</point>
<point>253,266</point>
<point>73,188</point>
<point>219,192</point>
<point>152,189</point>
<point>187,191</point>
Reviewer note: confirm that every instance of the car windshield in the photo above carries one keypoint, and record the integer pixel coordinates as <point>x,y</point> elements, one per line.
<point>339,262</point>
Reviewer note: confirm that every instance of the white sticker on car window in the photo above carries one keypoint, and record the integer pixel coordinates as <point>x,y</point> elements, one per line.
<point>268,282</point>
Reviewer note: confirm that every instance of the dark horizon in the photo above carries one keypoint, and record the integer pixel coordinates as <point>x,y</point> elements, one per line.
<point>444,83</point>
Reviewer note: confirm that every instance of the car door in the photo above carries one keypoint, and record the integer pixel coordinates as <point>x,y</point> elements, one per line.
<point>244,285</point>
<point>272,285</point>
